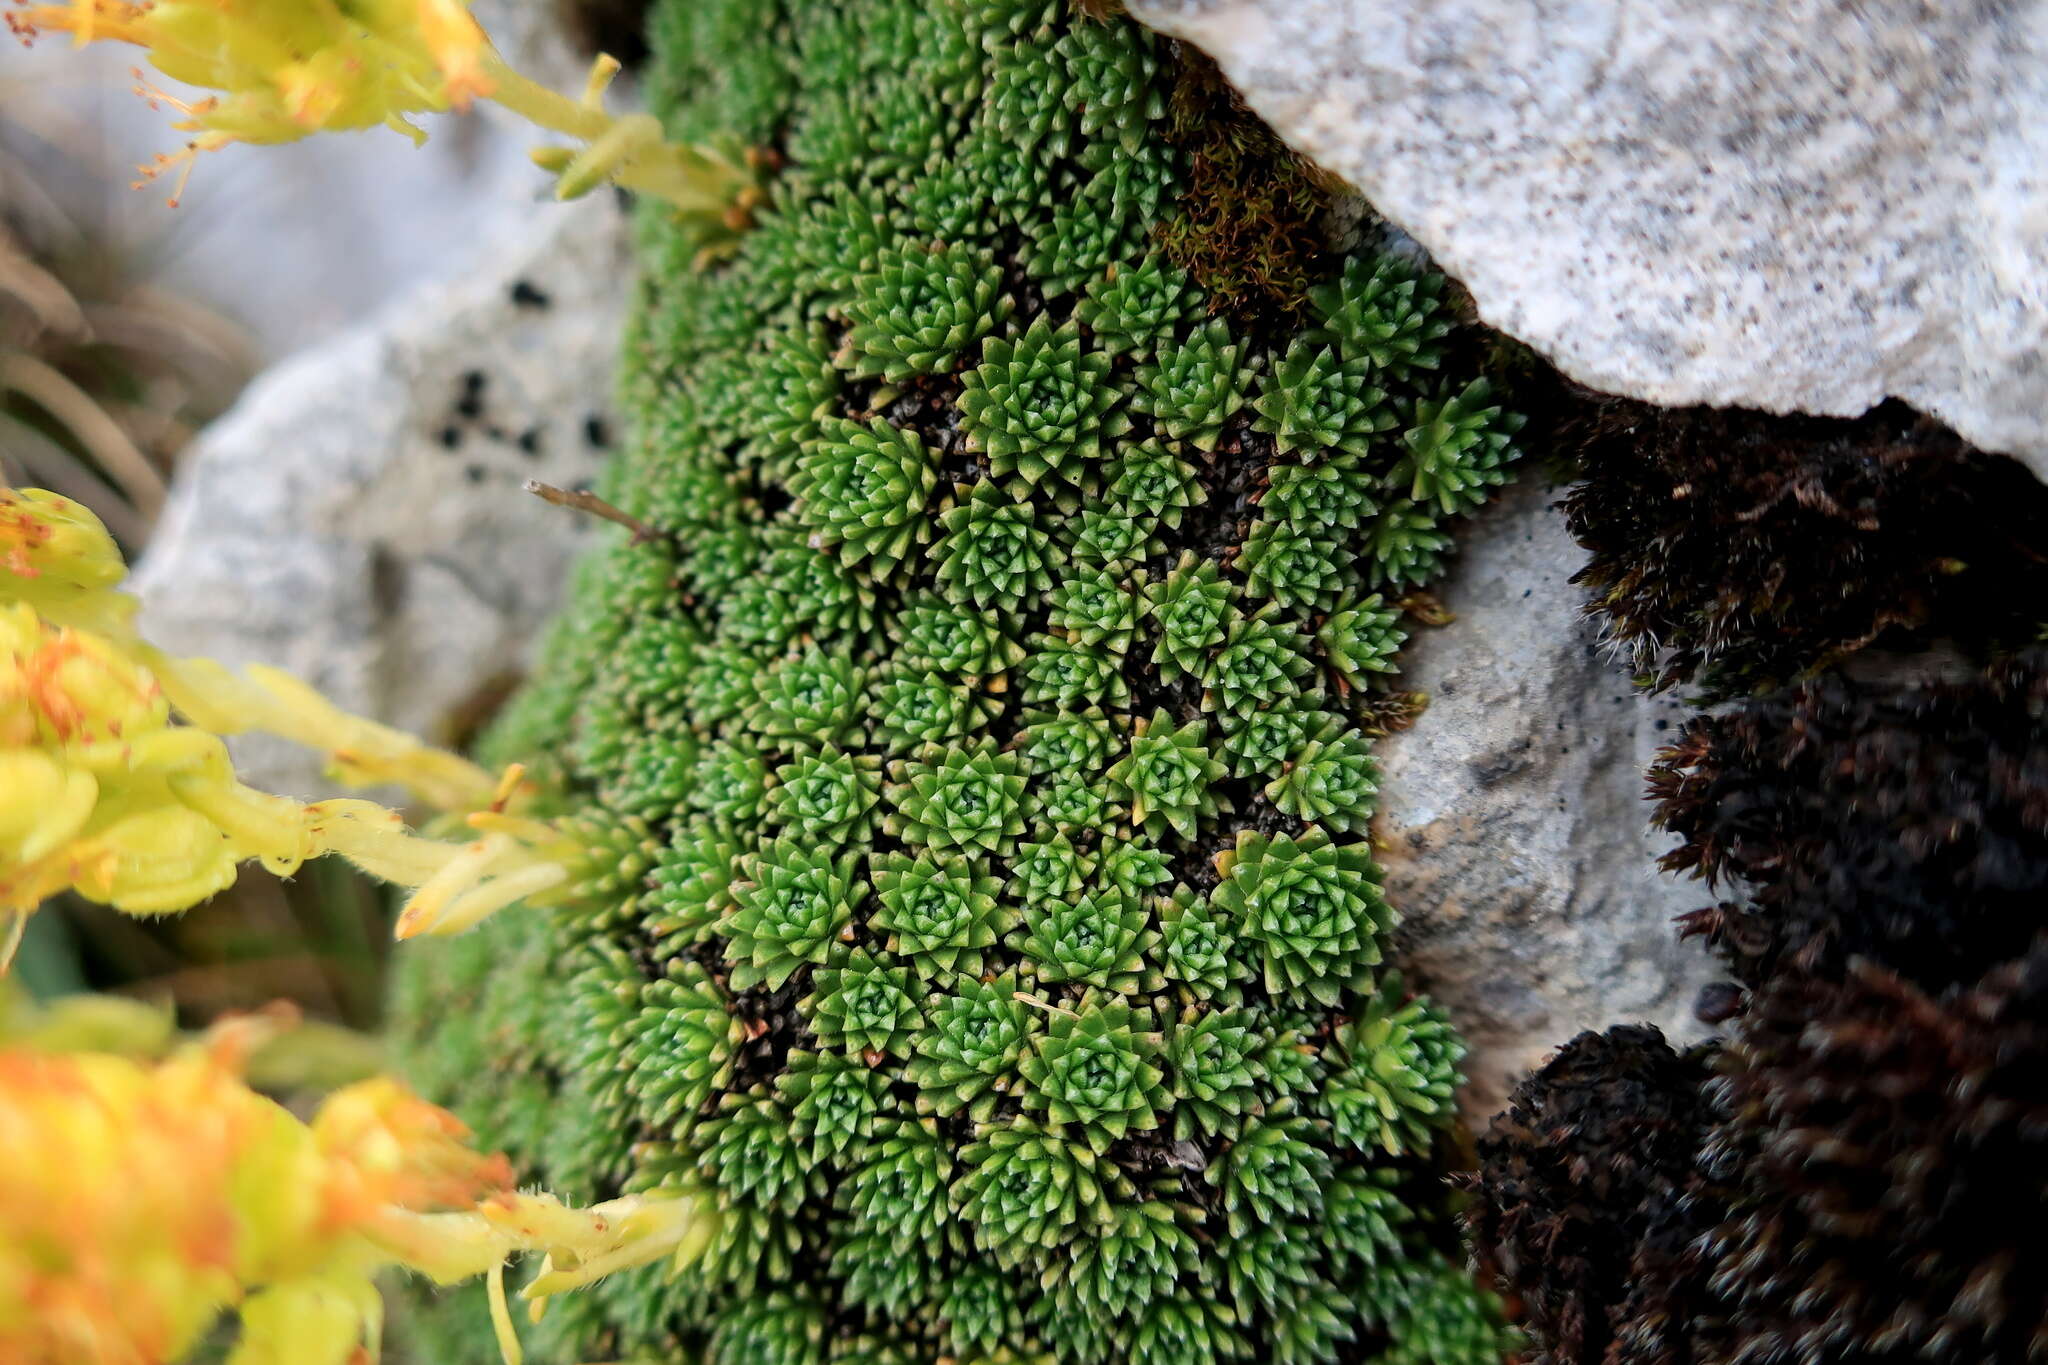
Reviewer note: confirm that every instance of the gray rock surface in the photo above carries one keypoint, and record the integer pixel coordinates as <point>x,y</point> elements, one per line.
<point>1796,205</point>
<point>1512,825</point>
<point>358,517</point>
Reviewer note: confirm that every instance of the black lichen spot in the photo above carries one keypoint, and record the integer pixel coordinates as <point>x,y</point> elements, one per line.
<point>471,403</point>
<point>527,295</point>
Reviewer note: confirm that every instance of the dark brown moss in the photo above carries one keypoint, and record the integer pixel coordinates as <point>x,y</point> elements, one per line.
<point>1845,1192</point>
<point>1894,1152</point>
<point>1844,1188</point>
<point>1250,229</point>
<point>1903,823</point>
<point>1739,550</point>
<point>1589,1190</point>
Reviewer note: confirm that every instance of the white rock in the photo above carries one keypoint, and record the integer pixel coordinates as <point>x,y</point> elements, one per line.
<point>1795,205</point>
<point>327,526</point>
<point>1512,822</point>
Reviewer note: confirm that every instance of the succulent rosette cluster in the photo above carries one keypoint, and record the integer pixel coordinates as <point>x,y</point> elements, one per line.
<point>999,948</point>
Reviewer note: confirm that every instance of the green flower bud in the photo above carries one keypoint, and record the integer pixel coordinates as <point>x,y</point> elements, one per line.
<point>1458,449</point>
<point>834,1102</point>
<point>1101,939</point>
<point>1168,777</point>
<point>1384,311</point>
<point>1397,1075</point>
<point>1212,1057</point>
<point>969,798</point>
<point>862,1005</point>
<point>1315,402</point>
<point>863,490</point>
<point>1332,779</point>
<point>1274,1171</point>
<point>1040,408</point>
<point>922,308</point>
<point>994,552</point>
<point>1195,386</point>
<point>1259,664</point>
<point>1025,1190</point>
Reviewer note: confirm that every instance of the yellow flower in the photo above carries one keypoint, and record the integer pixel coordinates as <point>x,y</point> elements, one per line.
<point>288,68</point>
<point>115,782</point>
<point>142,1200</point>
<point>43,535</point>
<point>96,768</point>
<point>46,805</point>
<point>107,796</point>
<point>71,691</point>
<point>361,752</point>
<point>56,556</point>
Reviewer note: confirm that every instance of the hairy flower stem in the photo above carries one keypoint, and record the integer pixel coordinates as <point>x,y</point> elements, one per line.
<point>626,149</point>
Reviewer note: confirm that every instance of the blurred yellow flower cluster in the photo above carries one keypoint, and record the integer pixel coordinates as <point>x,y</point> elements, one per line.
<point>141,1200</point>
<point>286,69</point>
<point>115,782</point>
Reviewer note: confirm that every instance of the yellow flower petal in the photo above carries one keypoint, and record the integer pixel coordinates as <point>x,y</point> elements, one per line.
<point>43,804</point>
<point>321,1320</point>
<point>155,861</point>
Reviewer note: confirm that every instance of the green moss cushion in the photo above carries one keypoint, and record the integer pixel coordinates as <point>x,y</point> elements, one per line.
<point>992,927</point>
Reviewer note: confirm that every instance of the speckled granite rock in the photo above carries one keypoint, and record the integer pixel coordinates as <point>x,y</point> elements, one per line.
<point>1512,824</point>
<point>1795,205</point>
<point>357,518</point>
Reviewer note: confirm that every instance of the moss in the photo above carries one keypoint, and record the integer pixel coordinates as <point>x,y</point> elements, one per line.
<point>1250,229</point>
<point>1740,551</point>
<point>974,645</point>
<point>1606,1135</point>
<point>1899,824</point>
<point>1881,1168</point>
